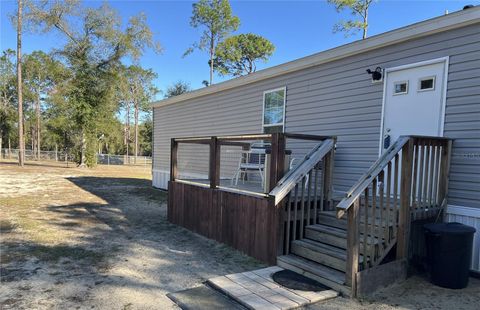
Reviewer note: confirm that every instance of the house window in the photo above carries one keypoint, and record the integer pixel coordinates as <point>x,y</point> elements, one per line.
<point>400,88</point>
<point>426,83</point>
<point>274,110</point>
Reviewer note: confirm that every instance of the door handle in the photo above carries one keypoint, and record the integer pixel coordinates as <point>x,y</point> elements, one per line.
<point>386,139</point>
<point>386,142</point>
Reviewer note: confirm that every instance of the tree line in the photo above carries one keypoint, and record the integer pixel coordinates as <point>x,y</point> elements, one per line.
<point>91,95</point>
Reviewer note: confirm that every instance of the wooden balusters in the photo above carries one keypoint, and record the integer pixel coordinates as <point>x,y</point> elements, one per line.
<point>302,207</point>
<point>415,201</point>
<point>395,195</point>
<point>288,222</point>
<point>389,211</point>
<point>383,223</point>
<point>444,172</point>
<point>365,230</point>
<point>315,197</point>
<point>309,201</point>
<point>295,213</point>
<point>421,146</point>
<point>434,195</point>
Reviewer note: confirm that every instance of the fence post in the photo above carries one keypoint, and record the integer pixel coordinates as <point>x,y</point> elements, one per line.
<point>214,164</point>
<point>403,231</point>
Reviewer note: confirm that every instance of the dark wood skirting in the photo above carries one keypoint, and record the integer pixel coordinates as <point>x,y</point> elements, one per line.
<point>247,223</point>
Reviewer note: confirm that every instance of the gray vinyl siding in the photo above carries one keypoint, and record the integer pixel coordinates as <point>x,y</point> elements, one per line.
<point>338,98</point>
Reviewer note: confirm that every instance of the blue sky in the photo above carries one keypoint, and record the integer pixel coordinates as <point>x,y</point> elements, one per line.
<point>297,28</point>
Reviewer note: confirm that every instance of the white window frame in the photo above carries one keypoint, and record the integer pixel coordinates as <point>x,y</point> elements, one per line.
<point>284,88</point>
<point>400,82</point>
<point>433,77</point>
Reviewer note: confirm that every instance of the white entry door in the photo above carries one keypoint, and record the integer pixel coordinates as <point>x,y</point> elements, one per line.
<point>414,101</point>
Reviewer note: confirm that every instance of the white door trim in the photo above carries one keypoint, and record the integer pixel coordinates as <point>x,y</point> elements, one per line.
<point>445,60</point>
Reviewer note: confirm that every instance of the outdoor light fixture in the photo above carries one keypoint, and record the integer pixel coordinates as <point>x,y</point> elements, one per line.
<point>376,75</point>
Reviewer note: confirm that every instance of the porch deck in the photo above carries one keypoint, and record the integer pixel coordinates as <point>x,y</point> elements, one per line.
<point>346,243</point>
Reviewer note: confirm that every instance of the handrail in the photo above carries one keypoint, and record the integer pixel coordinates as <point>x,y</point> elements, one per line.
<point>380,164</point>
<point>385,158</point>
<point>290,179</point>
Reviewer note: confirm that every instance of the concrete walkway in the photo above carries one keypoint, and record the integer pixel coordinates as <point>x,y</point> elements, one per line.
<point>257,290</point>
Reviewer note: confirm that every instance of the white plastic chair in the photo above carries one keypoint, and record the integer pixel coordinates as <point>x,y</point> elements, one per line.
<point>251,161</point>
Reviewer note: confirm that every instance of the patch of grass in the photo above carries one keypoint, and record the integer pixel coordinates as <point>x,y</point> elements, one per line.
<point>37,231</point>
<point>150,194</point>
<point>18,202</point>
<point>6,226</point>
<point>56,252</point>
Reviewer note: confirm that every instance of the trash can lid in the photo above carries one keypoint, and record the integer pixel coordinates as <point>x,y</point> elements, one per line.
<point>449,228</point>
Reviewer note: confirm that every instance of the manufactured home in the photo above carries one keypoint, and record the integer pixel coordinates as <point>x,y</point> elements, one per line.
<point>325,164</point>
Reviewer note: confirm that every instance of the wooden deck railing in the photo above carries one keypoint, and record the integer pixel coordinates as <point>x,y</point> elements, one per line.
<point>253,222</point>
<point>276,155</point>
<point>409,181</point>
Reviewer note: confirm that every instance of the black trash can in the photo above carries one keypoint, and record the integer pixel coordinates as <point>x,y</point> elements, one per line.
<point>449,253</point>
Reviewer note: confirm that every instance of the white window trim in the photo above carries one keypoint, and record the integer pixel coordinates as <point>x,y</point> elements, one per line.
<point>434,77</point>
<point>284,88</point>
<point>400,82</point>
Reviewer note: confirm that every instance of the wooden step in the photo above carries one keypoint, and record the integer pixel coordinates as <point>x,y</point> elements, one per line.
<point>329,218</point>
<point>325,218</point>
<point>321,253</point>
<point>327,235</point>
<point>337,237</point>
<point>327,276</point>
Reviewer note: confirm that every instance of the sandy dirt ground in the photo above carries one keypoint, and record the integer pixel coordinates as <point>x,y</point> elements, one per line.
<point>414,293</point>
<point>99,239</point>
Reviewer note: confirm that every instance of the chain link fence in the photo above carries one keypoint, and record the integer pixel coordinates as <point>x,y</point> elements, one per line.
<point>102,159</point>
<point>106,159</point>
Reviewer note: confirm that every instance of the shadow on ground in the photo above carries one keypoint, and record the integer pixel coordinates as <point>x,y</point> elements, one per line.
<point>113,246</point>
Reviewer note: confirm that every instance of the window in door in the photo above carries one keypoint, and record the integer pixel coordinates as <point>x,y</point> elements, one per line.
<point>274,110</point>
<point>426,83</point>
<point>400,88</point>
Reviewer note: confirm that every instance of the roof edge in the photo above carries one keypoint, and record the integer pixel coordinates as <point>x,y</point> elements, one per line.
<point>438,24</point>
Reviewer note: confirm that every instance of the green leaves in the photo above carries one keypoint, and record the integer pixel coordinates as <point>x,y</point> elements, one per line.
<point>237,55</point>
<point>96,44</point>
<point>177,88</point>
<point>216,17</point>
<point>358,9</point>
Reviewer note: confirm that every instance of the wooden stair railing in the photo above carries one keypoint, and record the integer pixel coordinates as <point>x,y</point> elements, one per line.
<point>304,190</point>
<point>409,181</point>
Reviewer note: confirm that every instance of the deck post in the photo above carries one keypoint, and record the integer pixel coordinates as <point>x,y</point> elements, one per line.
<point>328,178</point>
<point>444,171</point>
<point>214,164</point>
<point>173,159</point>
<point>277,159</point>
<point>403,231</point>
<point>353,222</point>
